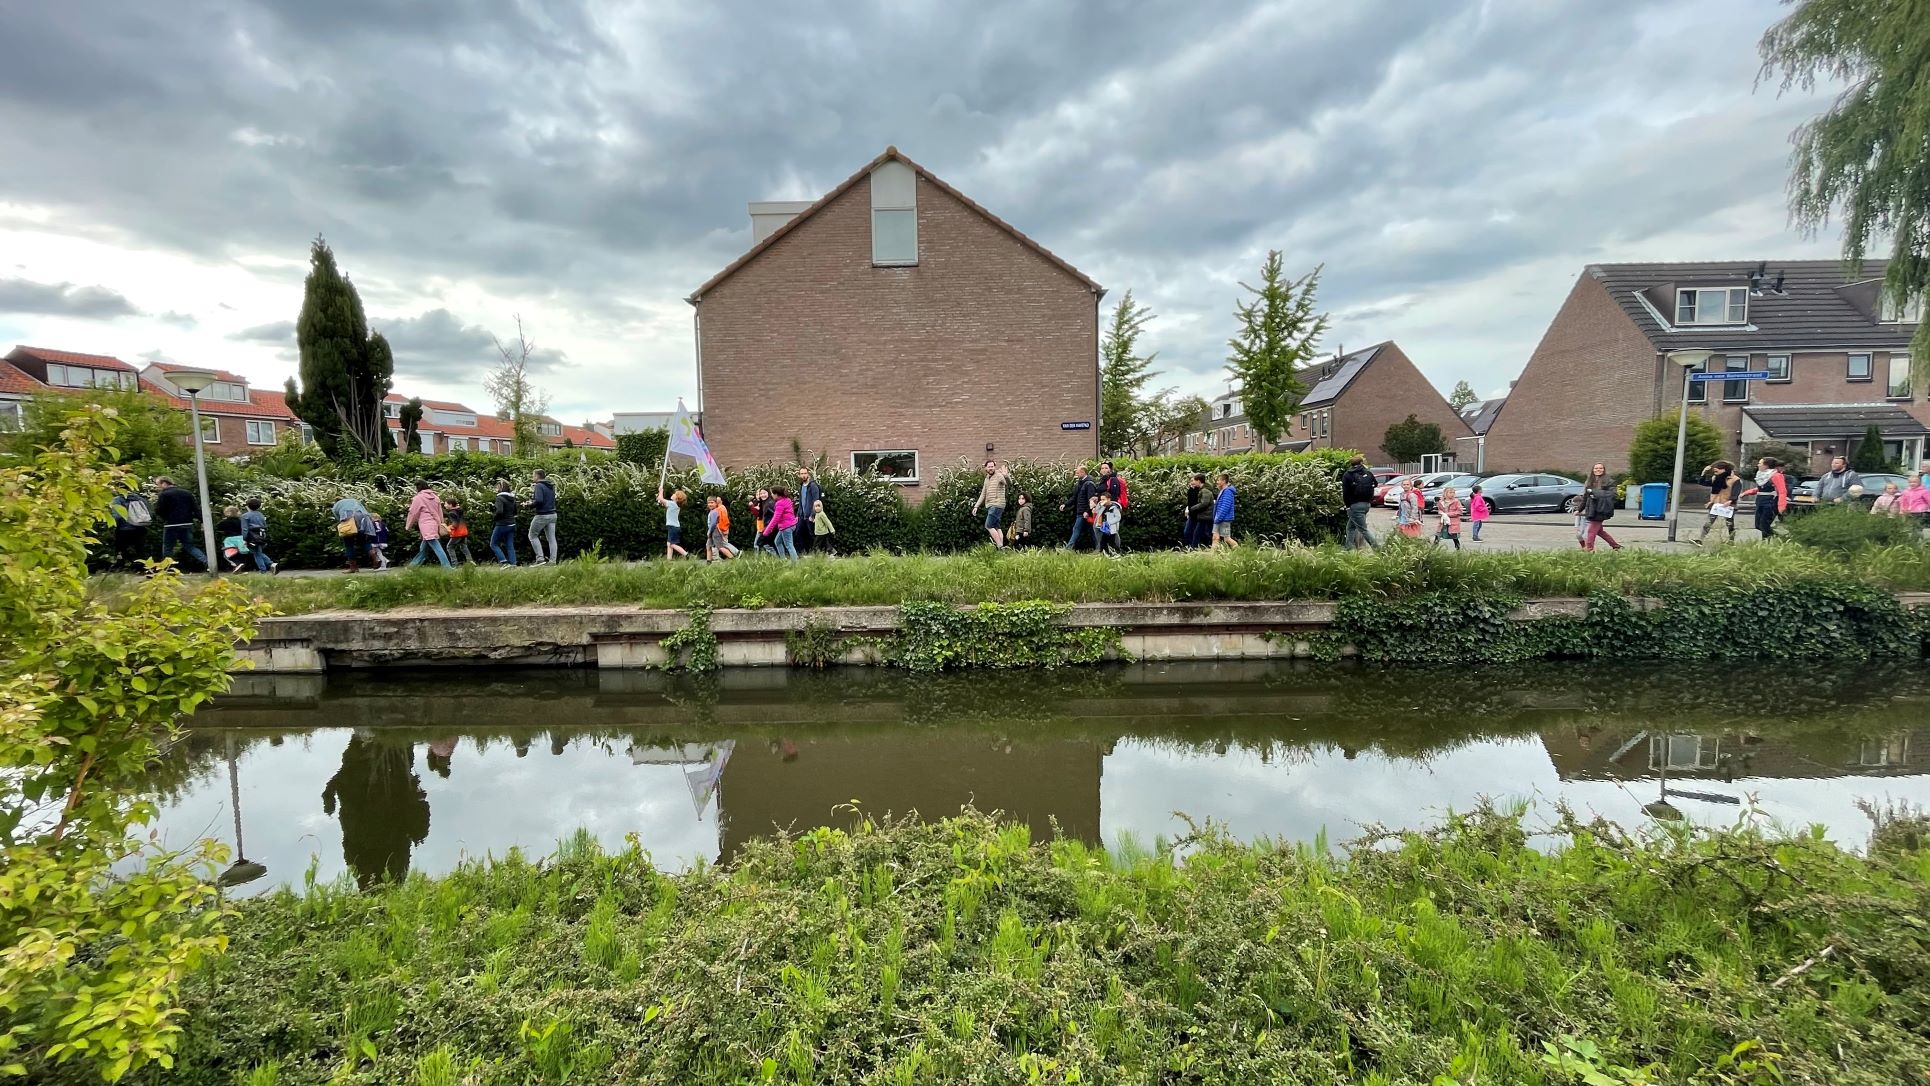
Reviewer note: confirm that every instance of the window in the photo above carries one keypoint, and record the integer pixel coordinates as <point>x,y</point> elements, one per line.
<point>897,465</point>
<point>482,444</point>
<point>10,416</point>
<point>261,432</point>
<point>1899,377</point>
<point>428,442</point>
<point>391,410</point>
<point>458,444</point>
<point>1884,750</point>
<point>894,215</point>
<point>1859,367</point>
<point>210,430</point>
<point>1682,752</point>
<point>1909,313</point>
<point>308,433</point>
<point>83,377</point>
<point>551,429</point>
<point>1778,367</point>
<point>1735,391</point>
<point>1699,390</point>
<point>1721,305</point>
<point>227,390</point>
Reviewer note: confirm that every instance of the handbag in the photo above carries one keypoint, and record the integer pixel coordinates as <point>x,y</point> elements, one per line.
<point>348,527</point>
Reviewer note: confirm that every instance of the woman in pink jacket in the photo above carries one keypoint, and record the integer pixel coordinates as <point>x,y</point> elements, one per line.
<point>425,516</point>
<point>781,524</point>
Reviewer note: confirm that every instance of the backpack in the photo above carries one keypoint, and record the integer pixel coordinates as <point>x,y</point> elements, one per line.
<point>134,510</point>
<point>254,536</point>
<point>1123,503</point>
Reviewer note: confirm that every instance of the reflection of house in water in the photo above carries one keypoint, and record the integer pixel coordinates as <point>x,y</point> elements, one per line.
<point>1584,754</point>
<point>801,782</point>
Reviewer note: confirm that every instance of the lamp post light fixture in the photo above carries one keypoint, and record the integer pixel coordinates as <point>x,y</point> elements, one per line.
<point>1690,361</point>
<point>194,382</point>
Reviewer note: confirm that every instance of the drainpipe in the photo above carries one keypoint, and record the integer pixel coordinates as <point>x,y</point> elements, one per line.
<point>697,339</point>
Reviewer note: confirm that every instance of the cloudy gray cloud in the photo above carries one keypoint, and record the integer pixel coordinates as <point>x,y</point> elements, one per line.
<point>437,347</point>
<point>24,297</point>
<point>1452,166</point>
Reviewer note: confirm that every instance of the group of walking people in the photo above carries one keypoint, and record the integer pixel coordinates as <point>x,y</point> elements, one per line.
<point>442,527</point>
<point>1098,506</point>
<point>1358,487</point>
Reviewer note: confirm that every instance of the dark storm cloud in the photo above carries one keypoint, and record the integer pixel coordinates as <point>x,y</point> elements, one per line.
<point>28,298</point>
<point>279,333</point>
<point>437,347</point>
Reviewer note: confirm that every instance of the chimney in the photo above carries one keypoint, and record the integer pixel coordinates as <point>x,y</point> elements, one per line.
<point>768,215</point>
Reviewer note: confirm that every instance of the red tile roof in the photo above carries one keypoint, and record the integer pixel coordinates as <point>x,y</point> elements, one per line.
<point>439,405</point>
<point>73,358</point>
<point>13,380</point>
<point>219,375</point>
<point>260,405</point>
<point>584,438</point>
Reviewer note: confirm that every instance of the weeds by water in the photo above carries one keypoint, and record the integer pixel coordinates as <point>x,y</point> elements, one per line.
<point>962,951</point>
<point>1256,573</point>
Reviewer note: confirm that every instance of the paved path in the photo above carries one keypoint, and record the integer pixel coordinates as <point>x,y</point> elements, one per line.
<point>1556,531</point>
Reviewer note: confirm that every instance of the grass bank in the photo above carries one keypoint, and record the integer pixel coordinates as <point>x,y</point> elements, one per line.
<point>963,952</point>
<point>1263,573</point>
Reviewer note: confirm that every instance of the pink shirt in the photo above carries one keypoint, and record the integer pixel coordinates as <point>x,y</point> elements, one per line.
<point>1450,510</point>
<point>1914,499</point>
<point>783,515</point>
<point>425,514</point>
<point>1477,507</point>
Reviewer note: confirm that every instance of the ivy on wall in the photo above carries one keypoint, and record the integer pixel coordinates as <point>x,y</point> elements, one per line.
<point>1033,633</point>
<point>693,648</point>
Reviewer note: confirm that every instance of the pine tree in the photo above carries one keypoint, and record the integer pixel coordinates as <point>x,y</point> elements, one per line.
<point>1869,453</point>
<point>411,420</point>
<point>1279,332</point>
<point>345,370</point>
<point>1867,158</point>
<point>1462,396</point>
<point>1123,374</point>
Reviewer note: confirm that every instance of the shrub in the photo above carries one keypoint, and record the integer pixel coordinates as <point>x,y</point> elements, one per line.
<point>1651,455</point>
<point>644,446</point>
<point>1794,459</point>
<point>1845,529</point>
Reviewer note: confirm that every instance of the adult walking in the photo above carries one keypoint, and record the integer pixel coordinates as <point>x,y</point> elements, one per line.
<point>1081,506</point>
<point>1598,504</point>
<point>991,495</point>
<point>1771,493</point>
<point>782,527</point>
<point>1834,487</point>
<point>178,509</point>
<point>1357,487</point>
<point>809,493</point>
<point>1724,484</point>
<point>1198,513</point>
<point>254,535</point>
<point>425,516</point>
<point>542,520</point>
<point>132,515</point>
<point>502,521</point>
<point>357,529</point>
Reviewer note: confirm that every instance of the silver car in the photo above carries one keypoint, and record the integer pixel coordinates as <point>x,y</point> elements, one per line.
<point>1529,493</point>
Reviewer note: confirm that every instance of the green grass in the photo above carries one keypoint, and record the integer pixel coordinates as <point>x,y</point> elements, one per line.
<point>963,952</point>
<point>1264,573</point>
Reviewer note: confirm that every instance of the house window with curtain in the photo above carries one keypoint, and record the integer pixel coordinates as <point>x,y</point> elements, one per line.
<point>1899,387</point>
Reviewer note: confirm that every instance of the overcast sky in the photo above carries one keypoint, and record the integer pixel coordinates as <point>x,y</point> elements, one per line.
<point>587,164</point>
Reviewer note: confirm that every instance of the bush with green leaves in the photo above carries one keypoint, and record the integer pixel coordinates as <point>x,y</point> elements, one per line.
<point>644,446</point>
<point>147,429</point>
<point>1848,528</point>
<point>1651,455</point>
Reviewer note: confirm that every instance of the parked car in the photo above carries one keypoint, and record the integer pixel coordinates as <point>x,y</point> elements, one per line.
<point>1529,493</point>
<point>1804,492</point>
<point>1392,486</point>
<point>1461,484</point>
<point>1422,482</point>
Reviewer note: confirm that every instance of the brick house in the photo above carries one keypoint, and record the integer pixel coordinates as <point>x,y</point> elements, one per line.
<point>1839,350</point>
<point>235,420</point>
<point>27,372</point>
<point>1351,400</point>
<point>448,426</point>
<point>897,326</point>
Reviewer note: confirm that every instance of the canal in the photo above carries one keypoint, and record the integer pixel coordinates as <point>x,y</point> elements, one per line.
<point>368,775</point>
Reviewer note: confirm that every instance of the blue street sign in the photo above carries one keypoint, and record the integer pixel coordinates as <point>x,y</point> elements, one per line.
<point>1732,375</point>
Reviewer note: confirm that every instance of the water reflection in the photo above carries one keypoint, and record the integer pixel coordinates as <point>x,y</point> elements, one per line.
<point>695,770</point>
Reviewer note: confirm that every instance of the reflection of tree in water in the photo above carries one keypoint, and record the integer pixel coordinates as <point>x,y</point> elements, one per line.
<point>384,811</point>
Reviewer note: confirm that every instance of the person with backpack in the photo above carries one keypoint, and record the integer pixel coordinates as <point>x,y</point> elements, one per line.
<point>1771,493</point>
<point>1081,506</point>
<point>357,530</point>
<point>502,521</point>
<point>227,534</point>
<point>178,510</point>
<point>1597,505</point>
<point>132,515</point>
<point>254,536</point>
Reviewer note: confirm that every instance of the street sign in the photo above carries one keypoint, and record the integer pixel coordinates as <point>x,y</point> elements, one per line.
<point>1732,375</point>
<point>1075,426</point>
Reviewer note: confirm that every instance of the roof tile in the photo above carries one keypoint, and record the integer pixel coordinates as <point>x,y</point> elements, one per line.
<point>1814,310</point>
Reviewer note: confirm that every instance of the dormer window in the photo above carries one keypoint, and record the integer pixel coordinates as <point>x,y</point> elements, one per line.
<point>551,429</point>
<point>1712,305</point>
<point>894,215</point>
<point>392,410</point>
<point>1910,312</point>
<point>228,390</point>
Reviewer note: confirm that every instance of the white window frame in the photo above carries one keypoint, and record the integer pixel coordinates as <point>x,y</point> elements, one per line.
<point>428,440</point>
<point>210,430</point>
<point>894,193</point>
<point>458,444</point>
<point>550,429</point>
<point>482,445</point>
<point>391,410</point>
<point>1869,366</point>
<point>1910,312</point>
<point>1732,297</point>
<point>1899,366</point>
<point>12,416</point>
<point>910,480</point>
<point>1788,367</point>
<point>257,426</point>
<point>229,391</point>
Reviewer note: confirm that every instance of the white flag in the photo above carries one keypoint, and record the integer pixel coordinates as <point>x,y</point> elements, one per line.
<point>685,439</point>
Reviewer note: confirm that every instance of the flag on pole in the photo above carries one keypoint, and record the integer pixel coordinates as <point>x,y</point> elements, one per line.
<point>685,439</point>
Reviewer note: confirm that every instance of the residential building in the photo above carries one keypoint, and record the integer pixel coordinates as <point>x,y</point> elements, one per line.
<point>235,420</point>
<point>1351,400</point>
<point>897,326</point>
<point>448,426</point>
<point>27,372</point>
<point>1837,351</point>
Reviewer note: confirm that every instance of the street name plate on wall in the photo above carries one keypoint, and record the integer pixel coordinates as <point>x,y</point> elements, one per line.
<point>1075,426</point>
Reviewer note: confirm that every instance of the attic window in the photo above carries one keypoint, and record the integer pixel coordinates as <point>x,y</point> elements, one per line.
<point>1909,313</point>
<point>894,215</point>
<point>1718,305</point>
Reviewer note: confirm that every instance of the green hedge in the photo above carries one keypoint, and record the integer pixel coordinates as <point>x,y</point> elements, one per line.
<point>644,446</point>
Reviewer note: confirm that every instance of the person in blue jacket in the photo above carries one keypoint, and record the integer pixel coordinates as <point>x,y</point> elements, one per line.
<point>1223,514</point>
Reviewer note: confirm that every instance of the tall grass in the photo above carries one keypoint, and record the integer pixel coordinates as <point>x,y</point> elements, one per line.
<point>1285,573</point>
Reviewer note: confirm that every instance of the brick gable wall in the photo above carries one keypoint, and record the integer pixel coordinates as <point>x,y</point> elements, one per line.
<point>983,342</point>
<point>1592,378</point>
<point>1386,392</point>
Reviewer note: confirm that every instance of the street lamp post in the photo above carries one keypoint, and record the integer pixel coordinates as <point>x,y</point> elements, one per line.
<point>194,382</point>
<point>1690,361</point>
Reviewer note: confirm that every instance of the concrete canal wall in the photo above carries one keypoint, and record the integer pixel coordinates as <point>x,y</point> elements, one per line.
<point>629,637</point>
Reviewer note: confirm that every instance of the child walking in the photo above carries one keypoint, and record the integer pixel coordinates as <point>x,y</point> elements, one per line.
<point>1223,514</point>
<point>821,526</point>
<point>1021,533</point>
<point>717,530</point>
<point>458,527</point>
<point>1407,516</point>
<point>760,505</point>
<point>673,524</point>
<point>1478,511</point>
<point>380,547</point>
<point>1448,506</point>
<point>1886,502</point>
<point>1105,515</point>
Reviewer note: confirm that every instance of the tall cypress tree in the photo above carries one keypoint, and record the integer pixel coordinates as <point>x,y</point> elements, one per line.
<point>345,370</point>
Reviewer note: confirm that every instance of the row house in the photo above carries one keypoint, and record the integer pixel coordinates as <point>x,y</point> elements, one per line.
<point>235,420</point>
<point>1836,348</point>
<point>27,372</point>
<point>1351,400</point>
<point>448,427</point>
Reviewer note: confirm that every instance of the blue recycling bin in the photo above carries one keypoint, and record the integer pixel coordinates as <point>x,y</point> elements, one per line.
<point>1655,501</point>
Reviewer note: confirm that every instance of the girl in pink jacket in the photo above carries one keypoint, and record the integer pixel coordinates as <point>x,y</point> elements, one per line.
<point>1915,500</point>
<point>782,524</point>
<point>425,516</point>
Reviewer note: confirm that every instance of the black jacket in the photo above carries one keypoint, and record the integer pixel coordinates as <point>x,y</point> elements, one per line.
<point>504,509</point>
<point>1357,485</point>
<point>176,505</point>
<point>1199,504</point>
<point>1082,496</point>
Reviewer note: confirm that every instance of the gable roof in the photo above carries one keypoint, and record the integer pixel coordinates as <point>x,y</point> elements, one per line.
<point>890,154</point>
<point>1820,305</point>
<point>73,358</point>
<point>1325,381</point>
<point>1480,414</point>
<point>13,379</point>
<point>261,404</point>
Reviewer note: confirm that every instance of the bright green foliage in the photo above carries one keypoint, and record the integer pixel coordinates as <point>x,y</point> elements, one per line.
<point>693,648</point>
<point>147,430</point>
<point>1123,373</point>
<point>1794,459</point>
<point>1869,453</point>
<point>411,419</point>
<point>1169,417</point>
<point>644,446</point>
<point>1867,158</point>
<point>963,951</point>
<point>345,370</point>
<point>1462,396</point>
<point>1406,441</point>
<point>1651,455</point>
<point>1031,633</point>
<point>89,959</point>
<point>1279,333</point>
<point>1848,528</point>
